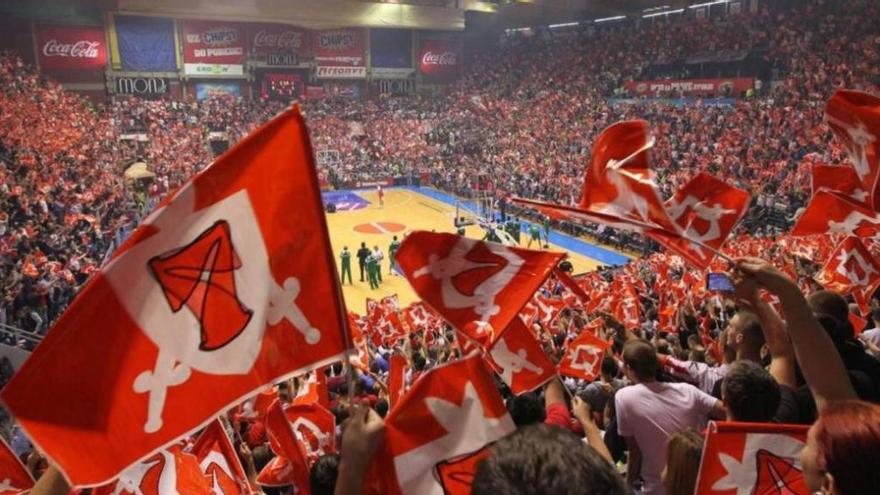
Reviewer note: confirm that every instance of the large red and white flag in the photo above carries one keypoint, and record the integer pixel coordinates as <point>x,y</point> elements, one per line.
<point>842,180</point>
<point>315,428</point>
<point>215,295</point>
<point>285,444</point>
<point>833,213</point>
<point>583,358</point>
<point>168,471</point>
<point>397,368</point>
<point>313,390</point>
<point>851,268</point>
<point>854,117</point>
<point>449,416</point>
<point>620,188</point>
<point>219,461</point>
<point>14,477</point>
<point>519,359</point>
<point>468,281</point>
<point>752,458</point>
<point>705,210</point>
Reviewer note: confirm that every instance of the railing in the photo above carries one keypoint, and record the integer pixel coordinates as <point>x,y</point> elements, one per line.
<point>20,338</point>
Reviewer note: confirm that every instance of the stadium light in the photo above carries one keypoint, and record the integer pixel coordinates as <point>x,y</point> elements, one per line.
<point>606,19</point>
<point>564,24</point>
<point>678,11</point>
<point>707,4</point>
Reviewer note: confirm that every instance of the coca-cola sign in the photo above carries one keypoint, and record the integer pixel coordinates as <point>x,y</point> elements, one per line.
<point>441,58</point>
<point>285,40</point>
<point>278,44</point>
<point>67,47</point>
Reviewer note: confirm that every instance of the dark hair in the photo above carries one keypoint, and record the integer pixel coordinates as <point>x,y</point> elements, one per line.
<point>381,407</point>
<point>262,455</point>
<point>830,303</point>
<point>875,315</point>
<point>543,460</point>
<point>609,366</point>
<point>750,392</point>
<point>526,409</point>
<point>641,357</point>
<point>322,477</point>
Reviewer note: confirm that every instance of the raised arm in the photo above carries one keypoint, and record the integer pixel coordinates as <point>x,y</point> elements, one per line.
<point>821,364</point>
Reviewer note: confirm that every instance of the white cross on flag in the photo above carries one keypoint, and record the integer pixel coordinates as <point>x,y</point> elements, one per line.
<point>225,288</point>
<point>851,267</point>
<point>583,358</point>
<point>705,210</point>
<point>219,461</point>
<point>450,414</point>
<point>854,117</point>
<point>519,359</point>
<point>14,478</point>
<point>315,428</point>
<point>468,281</point>
<point>832,213</point>
<point>170,471</point>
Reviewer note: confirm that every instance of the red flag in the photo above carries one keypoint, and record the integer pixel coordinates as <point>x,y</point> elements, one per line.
<point>842,180</point>
<point>396,379</point>
<point>278,472</point>
<point>583,359</point>
<point>575,289</point>
<point>14,477</point>
<point>466,281</point>
<point>451,412</point>
<point>832,213</point>
<point>419,316</point>
<point>219,461</point>
<point>264,399</point>
<point>313,390</point>
<point>756,458</point>
<point>200,307</point>
<point>391,303</point>
<point>168,471</point>
<point>850,267</point>
<point>548,309</point>
<point>705,210</point>
<point>519,359</point>
<point>619,189</point>
<point>315,428</point>
<point>284,443</point>
<point>854,117</point>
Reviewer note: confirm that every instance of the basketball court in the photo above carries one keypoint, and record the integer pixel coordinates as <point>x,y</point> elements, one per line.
<point>359,218</point>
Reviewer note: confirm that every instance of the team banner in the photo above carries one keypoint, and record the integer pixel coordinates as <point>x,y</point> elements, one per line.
<point>71,47</point>
<point>692,87</point>
<point>339,53</point>
<point>145,44</point>
<point>278,44</point>
<point>440,59</point>
<point>213,48</point>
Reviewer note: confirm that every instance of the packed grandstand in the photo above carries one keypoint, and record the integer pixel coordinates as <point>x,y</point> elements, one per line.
<point>520,123</point>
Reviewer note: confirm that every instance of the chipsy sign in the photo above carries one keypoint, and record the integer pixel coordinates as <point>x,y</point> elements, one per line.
<point>213,48</point>
<point>339,47</point>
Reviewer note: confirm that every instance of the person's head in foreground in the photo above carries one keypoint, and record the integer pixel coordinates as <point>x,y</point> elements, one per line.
<point>842,455</point>
<point>545,460</point>
<point>683,453</point>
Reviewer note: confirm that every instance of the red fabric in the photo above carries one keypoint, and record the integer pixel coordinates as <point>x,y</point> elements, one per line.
<point>396,379</point>
<point>130,345</point>
<point>11,469</point>
<point>468,281</point>
<point>557,415</point>
<point>854,117</point>
<point>451,411</point>
<point>219,461</point>
<point>284,443</point>
<point>519,359</point>
<point>756,458</point>
<point>851,268</point>
<point>315,428</point>
<point>583,359</point>
<point>168,471</point>
<point>832,213</point>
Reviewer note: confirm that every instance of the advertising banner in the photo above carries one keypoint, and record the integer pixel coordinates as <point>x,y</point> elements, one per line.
<point>71,47</point>
<point>278,44</point>
<point>210,90</point>
<point>340,53</point>
<point>282,86</point>
<point>391,49</point>
<point>213,48</point>
<point>440,59</point>
<point>140,86</point>
<point>692,87</point>
<point>146,44</point>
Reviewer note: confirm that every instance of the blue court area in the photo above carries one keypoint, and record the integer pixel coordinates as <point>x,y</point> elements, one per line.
<point>567,242</point>
<point>344,200</point>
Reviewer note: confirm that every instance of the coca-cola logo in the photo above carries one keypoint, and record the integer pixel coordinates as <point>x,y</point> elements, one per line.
<point>291,40</point>
<point>79,49</point>
<point>438,58</point>
<point>341,40</point>
<point>220,36</point>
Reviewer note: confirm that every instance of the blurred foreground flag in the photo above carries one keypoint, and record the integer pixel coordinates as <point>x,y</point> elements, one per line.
<point>228,286</point>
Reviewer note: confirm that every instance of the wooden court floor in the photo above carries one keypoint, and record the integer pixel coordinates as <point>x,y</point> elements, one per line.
<point>403,211</point>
